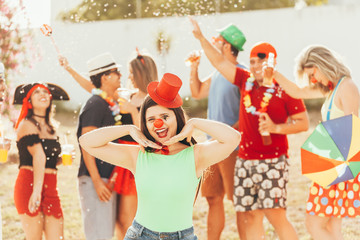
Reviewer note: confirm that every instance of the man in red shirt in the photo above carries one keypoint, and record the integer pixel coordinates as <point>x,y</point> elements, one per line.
<point>261,171</point>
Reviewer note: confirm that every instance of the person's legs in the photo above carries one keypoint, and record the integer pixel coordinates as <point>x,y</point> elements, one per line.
<point>273,194</point>
<point>245,199</point>
<point>216,217</point>
<point>227,168</point>
<point>318,227</point>
<point>32,223</point>
<point>334,226</point>
<point>54,228</point>
<point>51,207</point>
<point>212,188</point>
<point>254,229</point>
<point>127,205</point>
<point>32,226</point>
<point>241,225</point>
<point>223,178</point>
<point>283,228</point>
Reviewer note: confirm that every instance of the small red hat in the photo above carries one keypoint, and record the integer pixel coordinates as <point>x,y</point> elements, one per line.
<point>166,92</point>
<point>262,48</point>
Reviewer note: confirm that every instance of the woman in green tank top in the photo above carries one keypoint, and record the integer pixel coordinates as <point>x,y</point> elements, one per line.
<point>328,77</point>
<point>167,163</point>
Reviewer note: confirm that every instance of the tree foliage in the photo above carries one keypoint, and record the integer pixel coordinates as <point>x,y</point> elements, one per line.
<point>16,46</point>
<point>97,10</point>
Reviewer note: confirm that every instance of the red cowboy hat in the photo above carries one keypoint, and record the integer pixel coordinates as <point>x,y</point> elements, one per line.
<point>166,92</point>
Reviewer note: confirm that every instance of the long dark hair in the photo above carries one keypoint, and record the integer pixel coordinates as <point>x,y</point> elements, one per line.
<point>180,119</point>
<point>30,115</point>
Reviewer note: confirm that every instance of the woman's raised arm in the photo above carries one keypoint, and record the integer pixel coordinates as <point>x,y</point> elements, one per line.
<point>294,90</point>
<point>224,141</point>
<point>99,144</point>
<point>82,81</point>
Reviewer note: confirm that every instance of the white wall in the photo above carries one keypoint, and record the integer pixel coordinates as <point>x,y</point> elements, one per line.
<point>289,30</point>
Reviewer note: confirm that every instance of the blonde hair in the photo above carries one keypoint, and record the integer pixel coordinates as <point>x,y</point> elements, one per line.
<point>144,71</point>
<point>327,61</point>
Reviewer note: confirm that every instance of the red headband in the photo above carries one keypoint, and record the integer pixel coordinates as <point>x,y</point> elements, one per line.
<point>27,105</point>
<point>139,56</point>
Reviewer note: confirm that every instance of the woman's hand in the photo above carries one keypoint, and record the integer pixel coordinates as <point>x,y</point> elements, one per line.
<point>140,138</point>
<point>186,132</point>
<point>34,202</point>
<point>64,62</point>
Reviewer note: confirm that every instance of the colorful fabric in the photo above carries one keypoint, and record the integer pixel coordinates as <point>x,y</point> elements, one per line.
<point>166,186</point>
<point>281,106</point>
<point>50,201</point>
<point>260,184</point>
<point>339,200</point>
<point>331,154</point>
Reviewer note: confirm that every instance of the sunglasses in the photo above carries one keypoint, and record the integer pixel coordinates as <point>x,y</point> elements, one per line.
<point>216,39</point>
<point>261,55</point>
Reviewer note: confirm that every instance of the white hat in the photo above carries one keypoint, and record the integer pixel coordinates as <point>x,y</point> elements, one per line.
<point>101,63</point>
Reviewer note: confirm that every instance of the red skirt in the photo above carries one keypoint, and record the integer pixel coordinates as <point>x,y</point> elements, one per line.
<point>50,201</point>
<point>125,181</point>
<point>339,200</point>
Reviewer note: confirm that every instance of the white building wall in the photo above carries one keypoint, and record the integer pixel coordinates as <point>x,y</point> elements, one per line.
<point>289,30</point>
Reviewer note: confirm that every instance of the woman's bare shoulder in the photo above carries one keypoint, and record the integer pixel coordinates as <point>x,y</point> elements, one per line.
<point>26,127</point>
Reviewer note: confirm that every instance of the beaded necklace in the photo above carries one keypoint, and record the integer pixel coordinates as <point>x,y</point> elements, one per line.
<point>247,98</point>
<point>113,105</point>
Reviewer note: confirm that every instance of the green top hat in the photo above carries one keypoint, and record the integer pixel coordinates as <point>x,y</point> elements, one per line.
<point>234,36</point>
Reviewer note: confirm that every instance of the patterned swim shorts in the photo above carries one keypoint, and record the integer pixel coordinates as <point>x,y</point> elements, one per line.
<point>260,184</point>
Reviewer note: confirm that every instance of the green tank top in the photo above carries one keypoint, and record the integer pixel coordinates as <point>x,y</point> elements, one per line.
<point>166,187</point>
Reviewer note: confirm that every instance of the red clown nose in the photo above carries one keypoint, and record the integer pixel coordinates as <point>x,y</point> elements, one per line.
<point>158,123</point>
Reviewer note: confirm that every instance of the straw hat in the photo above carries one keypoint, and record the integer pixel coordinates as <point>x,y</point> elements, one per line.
<point>101,63</point>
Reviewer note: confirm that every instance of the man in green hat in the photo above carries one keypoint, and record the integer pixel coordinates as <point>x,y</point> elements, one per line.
<point>223,106</point>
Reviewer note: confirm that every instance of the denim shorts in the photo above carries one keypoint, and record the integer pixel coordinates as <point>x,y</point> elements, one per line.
<point>139,232</point>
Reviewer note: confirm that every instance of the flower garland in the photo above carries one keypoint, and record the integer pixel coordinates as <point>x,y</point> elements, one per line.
<point>247,98</point>
<point>113,105</point>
